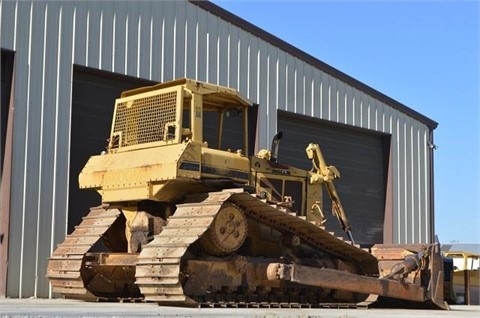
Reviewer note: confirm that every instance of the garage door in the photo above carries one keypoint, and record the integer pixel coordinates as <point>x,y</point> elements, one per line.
<point>93,98</point>
<point>362,159</point>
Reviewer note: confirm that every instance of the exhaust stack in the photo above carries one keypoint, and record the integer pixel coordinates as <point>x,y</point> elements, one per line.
<point>275,145</point>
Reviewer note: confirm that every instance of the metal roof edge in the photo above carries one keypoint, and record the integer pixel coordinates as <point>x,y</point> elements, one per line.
<point>270,38</point>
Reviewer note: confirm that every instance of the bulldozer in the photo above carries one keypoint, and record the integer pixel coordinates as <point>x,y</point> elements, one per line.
<point>189,216</point>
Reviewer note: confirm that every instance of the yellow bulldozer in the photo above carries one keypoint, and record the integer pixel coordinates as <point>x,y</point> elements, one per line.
<point>190,217</point>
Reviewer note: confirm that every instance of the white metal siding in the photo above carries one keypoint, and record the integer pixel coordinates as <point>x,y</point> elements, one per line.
<point>162,40</point>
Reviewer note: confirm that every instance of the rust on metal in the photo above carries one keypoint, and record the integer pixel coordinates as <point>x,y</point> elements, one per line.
<point>334,279</point>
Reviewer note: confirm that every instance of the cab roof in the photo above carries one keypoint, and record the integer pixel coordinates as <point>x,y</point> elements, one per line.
<point>213,94</point>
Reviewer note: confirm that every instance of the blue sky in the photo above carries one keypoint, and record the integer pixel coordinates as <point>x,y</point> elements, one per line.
<point>424,54</point>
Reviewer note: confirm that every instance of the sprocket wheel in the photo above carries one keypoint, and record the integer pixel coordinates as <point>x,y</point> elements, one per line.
<point>227,231</point>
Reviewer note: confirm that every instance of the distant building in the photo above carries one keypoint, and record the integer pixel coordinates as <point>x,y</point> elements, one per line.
<point>466,247</point>
<point>473,249</point>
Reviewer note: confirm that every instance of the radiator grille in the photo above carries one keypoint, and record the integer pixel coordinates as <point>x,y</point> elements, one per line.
<point>144,120</point>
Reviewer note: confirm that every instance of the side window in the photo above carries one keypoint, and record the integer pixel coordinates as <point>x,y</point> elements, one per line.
<point>232,129</point>
<point>186,123</point>
<point>294,189</point>
<point>280,190</point>
<point>273,187</point>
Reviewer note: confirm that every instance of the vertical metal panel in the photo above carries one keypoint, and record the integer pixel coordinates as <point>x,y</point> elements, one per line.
<point>81,35</point>
<point>325,96</point>
<point>191,43</point>
<point>281,80</point>
<point>201,46</point>
<point>232,56</point>
<point>316,94</point>
<point>367,114</point>
<point>178,37</point>
<point>290,84</point>
<point>308,89</point>
<point>8,25</point>
<point>397,200</point>
<point>162,40</point>
<point>420,195</point>
<point>334,105</point>
<point>297,89</point>
<point>349,107</point>
<point>222,53</point>
<point>415,190</point>
<point>168,44</point>
<point>376,114</point>
<point>253,76</point>
<point>387,117</point>
<point>421,164</point>
<point>260,78</point>
<point>53,18</point>
<point>57,153</point>
<point>106,39</point>
<point>423,184</point>
<point>7,91</point>
<point>94,46</point>
<point>243,62</point>
<point>403,218</point>
<point>410,220</point>
<point>61,137</point>
<point>272,91</point>
<point>372,113</point>
<point>120,38</point>
<point>144,44</point>
<point>341,102</point>
<point>20,142</point>
<point>41,12</point>
<point>33,142</point>
<point>157,38</point>
<point>212,50</point>
<point>358,106</point>
<point>131,48</point>
<point>253,73</point>
<point>136,46</point>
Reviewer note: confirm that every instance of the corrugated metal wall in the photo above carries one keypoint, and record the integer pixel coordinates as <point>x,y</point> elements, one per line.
<point>162,40</point>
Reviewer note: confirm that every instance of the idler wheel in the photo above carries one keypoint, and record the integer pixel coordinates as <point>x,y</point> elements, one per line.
<point>227,232</point>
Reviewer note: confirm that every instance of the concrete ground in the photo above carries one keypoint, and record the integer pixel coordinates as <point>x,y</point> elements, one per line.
<point>73,308</point>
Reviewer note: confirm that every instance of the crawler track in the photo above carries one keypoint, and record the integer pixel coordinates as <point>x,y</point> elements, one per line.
<point>68,260</point>
<point>158,271</point>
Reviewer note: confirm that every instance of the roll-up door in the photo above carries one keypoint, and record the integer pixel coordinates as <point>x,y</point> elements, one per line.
<point>93,100</point>
<point>360,155</point>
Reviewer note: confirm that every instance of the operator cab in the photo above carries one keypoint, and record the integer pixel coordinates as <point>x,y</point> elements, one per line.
<point>180,111</point>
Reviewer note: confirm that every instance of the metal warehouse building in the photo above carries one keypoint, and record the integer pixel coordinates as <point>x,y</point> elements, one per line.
<point>64,63</point>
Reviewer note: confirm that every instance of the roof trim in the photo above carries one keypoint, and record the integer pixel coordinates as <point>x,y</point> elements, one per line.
<point>270,38</point>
